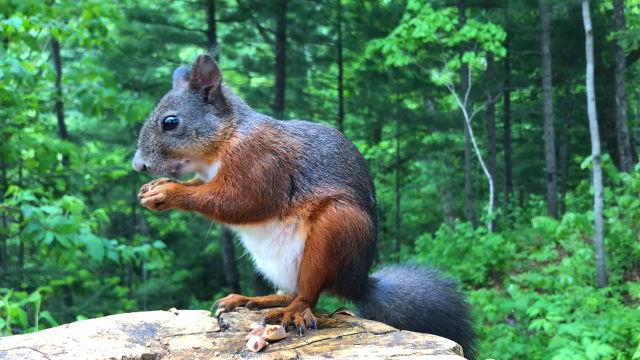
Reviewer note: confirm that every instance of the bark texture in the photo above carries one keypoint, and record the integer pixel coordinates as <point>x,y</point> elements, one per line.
<point>57,64</point>
<point>281,59</point>
<point>340,61</point>
<point>564,164</point>
<point>598,200</point>
<point>212,33</point>
<point>549,134</point>
<point>491,127</point>
<point>622,128</point>
<point>468,168</point>
<point>193,334</point>
<point>506,123</point>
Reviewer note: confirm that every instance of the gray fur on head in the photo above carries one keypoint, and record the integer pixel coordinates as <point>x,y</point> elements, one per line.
<point>198,101</point>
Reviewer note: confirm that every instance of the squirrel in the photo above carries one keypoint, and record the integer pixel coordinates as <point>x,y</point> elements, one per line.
<point>301,198</point>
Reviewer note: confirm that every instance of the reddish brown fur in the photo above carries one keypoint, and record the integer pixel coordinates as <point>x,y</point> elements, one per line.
<point>253,186</point>
<point>248,187</point>
<point>233,301</point>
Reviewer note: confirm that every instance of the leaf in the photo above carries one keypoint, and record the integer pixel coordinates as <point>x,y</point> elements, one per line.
<point>158,244</point>
<point>95,246</point>
<point>72,204</point>
<point>63,225</point>
<point>46,315</point>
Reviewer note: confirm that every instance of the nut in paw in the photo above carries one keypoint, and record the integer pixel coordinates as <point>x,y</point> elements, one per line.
<point>161,196</point>
<point>150,185</point>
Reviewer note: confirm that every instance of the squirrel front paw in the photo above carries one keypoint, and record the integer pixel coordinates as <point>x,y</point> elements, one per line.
<point>151,184</point>
<point>159,194</point>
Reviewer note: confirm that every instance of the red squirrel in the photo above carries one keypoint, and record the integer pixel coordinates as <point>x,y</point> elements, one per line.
<point>301,199</point>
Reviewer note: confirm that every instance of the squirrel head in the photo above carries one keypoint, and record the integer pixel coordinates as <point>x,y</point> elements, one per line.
<point>184,132</point>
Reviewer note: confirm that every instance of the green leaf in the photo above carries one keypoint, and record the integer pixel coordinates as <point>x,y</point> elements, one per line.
<point>95,246</point>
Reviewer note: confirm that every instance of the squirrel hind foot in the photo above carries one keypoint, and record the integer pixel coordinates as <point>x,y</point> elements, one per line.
<point>297,315</point>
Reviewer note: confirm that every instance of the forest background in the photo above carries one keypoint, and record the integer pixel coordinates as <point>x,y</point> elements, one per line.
<point>439,96</point>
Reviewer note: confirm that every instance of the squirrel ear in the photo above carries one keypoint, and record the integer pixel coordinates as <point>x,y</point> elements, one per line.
<point>206,74</point>
<point>181,77</point>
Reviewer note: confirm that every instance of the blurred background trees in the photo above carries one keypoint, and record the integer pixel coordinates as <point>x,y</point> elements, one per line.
<point>79,77</point>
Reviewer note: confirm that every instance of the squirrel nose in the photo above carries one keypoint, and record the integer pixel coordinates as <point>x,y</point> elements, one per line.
<point>138,163</point>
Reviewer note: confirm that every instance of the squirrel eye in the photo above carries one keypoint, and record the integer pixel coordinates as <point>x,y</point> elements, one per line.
<point>169,123</point>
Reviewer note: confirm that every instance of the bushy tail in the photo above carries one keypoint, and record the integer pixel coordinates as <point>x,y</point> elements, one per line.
<point>419,299</point>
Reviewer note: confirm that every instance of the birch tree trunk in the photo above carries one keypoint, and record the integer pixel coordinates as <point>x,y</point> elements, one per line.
<point>491,127</point>
<point>549,134</point>
<point>622,127</point>
<point>464,81</point>
<point>601,274</point>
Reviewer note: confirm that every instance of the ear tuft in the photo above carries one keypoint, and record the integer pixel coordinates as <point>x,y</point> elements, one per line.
<point>205,74</point>
<point>181,77</point>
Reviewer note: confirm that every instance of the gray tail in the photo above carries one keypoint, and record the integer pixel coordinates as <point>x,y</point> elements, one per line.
<point>420,299</point>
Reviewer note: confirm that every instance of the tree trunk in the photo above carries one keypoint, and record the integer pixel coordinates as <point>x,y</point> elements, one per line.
<point>228,257</point>
<point>133,229</point>
<point>467,122</point>
<point>281,58</point>
<point>212,32</point>
<point>4,231</point>
<point>226,238</point>
<point>397,182</point>
<point>491,127</point>
<point>464,81</point>
<point>564,164</point>
<point>549,135</point>
<point>260,286</point>
<point>601,274</point>
<point>21,222</point>
<point>446,202</point>
<point>506,118</point>
<point>622,128</point>
<point>340,70</point>
<point>57,64</point>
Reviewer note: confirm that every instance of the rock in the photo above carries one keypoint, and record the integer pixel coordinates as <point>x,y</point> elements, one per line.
<point>194,334</point>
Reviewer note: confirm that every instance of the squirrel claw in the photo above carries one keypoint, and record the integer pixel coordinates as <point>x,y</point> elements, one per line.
<point>299,317</point>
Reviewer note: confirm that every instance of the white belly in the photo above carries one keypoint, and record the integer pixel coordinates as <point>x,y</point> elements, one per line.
<point>276,248</point>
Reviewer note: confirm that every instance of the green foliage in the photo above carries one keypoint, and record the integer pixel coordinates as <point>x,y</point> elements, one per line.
<point>427,35</point>
<point>14,315</point>
<point>533,286</point>
<point>75,244</point>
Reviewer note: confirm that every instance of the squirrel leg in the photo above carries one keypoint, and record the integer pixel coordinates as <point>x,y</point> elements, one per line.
<point>317,268</point>
<point>232,301</point>
<point>330,243</point>
<point>311,279</point>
